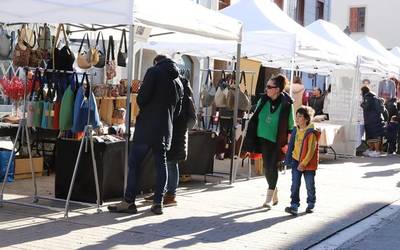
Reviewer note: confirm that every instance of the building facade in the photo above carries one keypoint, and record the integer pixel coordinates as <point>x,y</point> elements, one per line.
<point>374,18</point>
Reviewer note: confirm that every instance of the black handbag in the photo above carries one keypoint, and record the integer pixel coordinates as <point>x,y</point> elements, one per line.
<point>102,51</point>
<point>121,57</point>
<point>63,58</point>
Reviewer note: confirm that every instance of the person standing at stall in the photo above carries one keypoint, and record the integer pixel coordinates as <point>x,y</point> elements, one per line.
<point>268,131</point>
<point>180,138</point>
<point>317,101</point>
<point>373,110</point>
<point>158,98</point>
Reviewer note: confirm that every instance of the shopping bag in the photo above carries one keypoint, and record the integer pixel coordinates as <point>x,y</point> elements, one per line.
<point>4,158</point>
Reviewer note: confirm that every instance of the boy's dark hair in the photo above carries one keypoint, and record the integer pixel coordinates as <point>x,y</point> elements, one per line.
<point>158,59</point>
<point>307,112</point>
<point>280,81</point>
<point>365,90</point>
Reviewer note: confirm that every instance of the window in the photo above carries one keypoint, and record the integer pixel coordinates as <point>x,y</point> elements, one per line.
<point>300,12</point>
<point>279,3</point>
<point>357,19</point>
<point>224,3</point>
<point>319,12</point>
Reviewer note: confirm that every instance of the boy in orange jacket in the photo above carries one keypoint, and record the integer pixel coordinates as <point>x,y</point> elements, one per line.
<point>303,156</point>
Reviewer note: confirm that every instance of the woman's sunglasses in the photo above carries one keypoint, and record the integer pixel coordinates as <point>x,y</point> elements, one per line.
<point>271,87</point>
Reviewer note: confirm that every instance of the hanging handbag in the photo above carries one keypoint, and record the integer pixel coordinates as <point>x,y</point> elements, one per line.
<point>85,103</point>
<point>208,93</point>
<point>121,57</point>
<point>6,44</point>
<point>38,102</point>
<point>222,92</point>
<point>36,56</point>
<point>67,105</point>
<point>244,103</point>
<point>45,41</point>
<point>83,59</point>
<point>30,107</point>
<point>110,62</point>
<point>63,59</point>
<point>101,52</point>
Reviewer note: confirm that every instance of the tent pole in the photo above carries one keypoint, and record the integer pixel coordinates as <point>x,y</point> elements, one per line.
<point>131,65</point>
<point>140,63</point>
<point>235,114</point>
<point>291,77</point>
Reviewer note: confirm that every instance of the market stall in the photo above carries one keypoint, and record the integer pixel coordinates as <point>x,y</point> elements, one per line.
<point>192,19</point>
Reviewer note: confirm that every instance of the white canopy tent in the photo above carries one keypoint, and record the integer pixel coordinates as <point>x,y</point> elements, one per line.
<point>192,18</point>
<point>270,36</point>
<point>370,61</point>
<point>376,47</point>
<point>180,16</point>
<point>396,51</point>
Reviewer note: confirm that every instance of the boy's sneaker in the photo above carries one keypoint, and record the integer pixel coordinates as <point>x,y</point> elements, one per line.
<point>367,152</point>
<point>156,209</point>
<point>374,154</point>
<point>309,210</point>
<point>291,211</point>
<point>123,207</point>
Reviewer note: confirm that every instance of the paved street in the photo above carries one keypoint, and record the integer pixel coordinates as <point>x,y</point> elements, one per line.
<point>213,215</point>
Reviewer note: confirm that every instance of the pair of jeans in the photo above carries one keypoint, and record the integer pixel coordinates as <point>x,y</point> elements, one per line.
<point>137,154</point>
<point>269,152</point>
<point>309,177</point>
<point>173,177</point>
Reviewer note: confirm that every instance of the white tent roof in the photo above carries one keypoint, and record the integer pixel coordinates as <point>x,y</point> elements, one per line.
<point>261,15</point>
<point>270,36</point>
<point>174,15</point>
<point>375,46</point>
<point>334,34</point>
<point>396,51</point>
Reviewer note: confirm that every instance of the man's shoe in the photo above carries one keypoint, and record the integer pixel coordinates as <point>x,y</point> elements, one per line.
<point>309,210</point>
<point>149,198</point>
<point>291,211</point>
<point>156,209</point>
<point>123,207</point>
<point>169,200</point>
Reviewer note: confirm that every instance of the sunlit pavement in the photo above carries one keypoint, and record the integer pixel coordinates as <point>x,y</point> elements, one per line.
<point>212,215</point>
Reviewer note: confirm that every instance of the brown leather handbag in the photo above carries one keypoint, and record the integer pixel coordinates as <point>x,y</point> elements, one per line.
<point>84,57</point>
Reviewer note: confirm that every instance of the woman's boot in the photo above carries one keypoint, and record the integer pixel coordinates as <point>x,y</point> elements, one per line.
<point>275,197</point>
<point>268,199</point>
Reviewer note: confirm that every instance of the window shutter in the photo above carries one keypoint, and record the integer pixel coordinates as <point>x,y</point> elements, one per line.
<point>353,20</point>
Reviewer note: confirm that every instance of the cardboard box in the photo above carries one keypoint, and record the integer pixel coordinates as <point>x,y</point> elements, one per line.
<point>23,169</point>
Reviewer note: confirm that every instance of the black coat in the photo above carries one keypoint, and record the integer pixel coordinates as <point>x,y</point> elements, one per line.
<point>373,110</point>
<point>251,142</point>
<point>157,100</point>
<point>179,144</point>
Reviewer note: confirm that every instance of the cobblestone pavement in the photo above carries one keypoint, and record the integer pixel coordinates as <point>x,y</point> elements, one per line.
<point>211,216</point>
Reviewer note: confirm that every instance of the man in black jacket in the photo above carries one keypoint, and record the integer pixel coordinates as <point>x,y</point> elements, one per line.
<point>158,99</point>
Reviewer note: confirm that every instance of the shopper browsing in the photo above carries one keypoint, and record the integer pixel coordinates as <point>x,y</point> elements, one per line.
<point>159,97</point>
<point>302,156</point>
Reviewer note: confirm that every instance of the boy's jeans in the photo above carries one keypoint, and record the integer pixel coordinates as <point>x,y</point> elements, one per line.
<point>173,177</point>
<point>296,182</point>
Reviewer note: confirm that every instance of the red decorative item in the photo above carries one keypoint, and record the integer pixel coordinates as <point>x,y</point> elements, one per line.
<point>14,88</point>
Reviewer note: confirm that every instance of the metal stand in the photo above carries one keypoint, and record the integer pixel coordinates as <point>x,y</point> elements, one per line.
<point>22,128</point>
<point>87,138</point>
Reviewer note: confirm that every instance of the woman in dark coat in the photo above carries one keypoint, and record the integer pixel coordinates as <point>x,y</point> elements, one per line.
<point>373,111</point>
<point>268,131</point>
